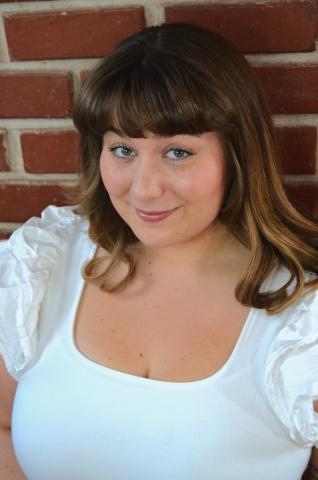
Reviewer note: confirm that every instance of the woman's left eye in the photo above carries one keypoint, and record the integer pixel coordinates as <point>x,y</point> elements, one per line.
<point>179,152</point>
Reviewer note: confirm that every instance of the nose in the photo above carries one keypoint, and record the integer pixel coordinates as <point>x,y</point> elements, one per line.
<point>148,181</point>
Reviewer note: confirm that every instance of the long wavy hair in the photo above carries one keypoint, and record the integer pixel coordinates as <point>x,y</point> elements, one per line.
<point>179,78</point>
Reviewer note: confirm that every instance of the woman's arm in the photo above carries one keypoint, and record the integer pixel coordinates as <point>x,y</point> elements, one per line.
<point>311,472</point>
<point>9,468</point>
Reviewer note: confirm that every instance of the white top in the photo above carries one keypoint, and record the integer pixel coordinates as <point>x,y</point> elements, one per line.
<point>75,419</point>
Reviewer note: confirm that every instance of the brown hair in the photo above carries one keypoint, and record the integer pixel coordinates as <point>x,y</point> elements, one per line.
<point>179,78</point>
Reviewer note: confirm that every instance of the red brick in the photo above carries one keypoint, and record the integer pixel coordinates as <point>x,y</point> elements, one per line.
<point>5,234</point>
<point>4,167</point>
<point>297,147</point>
<point>292,89</point>
<point>70,34</point>
<point>304,197</point>
<point>273,27</point>
<point>50,152</point>
<point>20,202</point>
<point>40,95</point>
<point>83,75</point>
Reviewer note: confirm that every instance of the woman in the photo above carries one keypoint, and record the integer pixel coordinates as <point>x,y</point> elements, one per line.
<point>165,326</point>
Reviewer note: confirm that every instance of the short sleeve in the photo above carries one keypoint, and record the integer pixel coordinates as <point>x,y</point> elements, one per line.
<point>291,373</point>
<point>27,261</point>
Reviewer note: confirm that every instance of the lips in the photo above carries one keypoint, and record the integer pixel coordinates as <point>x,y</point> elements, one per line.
<point>154,216</point>
<point>155,212</point>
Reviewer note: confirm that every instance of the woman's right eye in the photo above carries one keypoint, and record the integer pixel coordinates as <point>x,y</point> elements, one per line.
<point>122,148</point>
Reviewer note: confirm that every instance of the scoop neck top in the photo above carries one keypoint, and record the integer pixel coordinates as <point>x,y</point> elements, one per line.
<point>74,418</point>
<point>86,362</point>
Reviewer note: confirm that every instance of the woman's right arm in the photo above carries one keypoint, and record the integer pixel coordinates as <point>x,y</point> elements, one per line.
<point>9,467</point>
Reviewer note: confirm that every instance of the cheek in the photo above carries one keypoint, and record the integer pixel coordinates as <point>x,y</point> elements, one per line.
<point>209,185</point>
<point>114,181</point>
<point>214,181</point>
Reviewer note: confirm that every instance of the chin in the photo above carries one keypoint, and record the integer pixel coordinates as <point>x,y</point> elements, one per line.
<point>149,241</point>
<point>155,239</point>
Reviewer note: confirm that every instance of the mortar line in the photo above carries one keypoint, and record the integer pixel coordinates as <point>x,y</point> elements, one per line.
<point>4,50</point>
<point>10,178</point>
<point>15,152</point>
<point>303,179</point>
<point>293,59</point>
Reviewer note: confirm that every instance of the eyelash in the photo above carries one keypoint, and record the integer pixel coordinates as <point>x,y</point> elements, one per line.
<point>112,150</point>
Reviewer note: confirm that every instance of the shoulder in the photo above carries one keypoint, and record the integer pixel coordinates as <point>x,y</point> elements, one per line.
<point>27,261</point>
<point>291,375</point>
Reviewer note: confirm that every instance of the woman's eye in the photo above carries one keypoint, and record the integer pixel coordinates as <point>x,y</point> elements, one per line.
<point>179,153</point>
<point>123,149</point>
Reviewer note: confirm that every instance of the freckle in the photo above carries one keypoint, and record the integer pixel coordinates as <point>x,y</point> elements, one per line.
<point>110,358</point>
<point>113,331</point>
<point>141,355</point>
<point>149,262</point>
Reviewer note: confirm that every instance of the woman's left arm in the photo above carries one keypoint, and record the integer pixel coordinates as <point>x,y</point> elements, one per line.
<point>311,472</point>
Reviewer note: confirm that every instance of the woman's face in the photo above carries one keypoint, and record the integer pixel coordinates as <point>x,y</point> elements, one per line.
<point>184,174</point>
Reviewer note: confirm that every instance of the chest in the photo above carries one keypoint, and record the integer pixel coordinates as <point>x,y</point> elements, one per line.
<point>166,335</point>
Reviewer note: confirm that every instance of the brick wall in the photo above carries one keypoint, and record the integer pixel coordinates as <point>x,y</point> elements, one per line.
<point>45,46</point>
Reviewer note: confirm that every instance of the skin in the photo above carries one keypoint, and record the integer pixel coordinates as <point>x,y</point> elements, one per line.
<point>153,174</point>
<point>156,174</point>
<point>192,237</point>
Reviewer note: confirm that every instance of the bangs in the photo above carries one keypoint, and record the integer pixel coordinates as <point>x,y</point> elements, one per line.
<point>165,99</point>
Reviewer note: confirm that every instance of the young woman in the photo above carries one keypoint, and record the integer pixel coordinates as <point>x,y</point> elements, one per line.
<point>164,325</point>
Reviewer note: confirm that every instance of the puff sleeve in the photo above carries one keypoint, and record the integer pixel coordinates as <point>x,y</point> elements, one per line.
<point>27,261</point>
<point>291,373</point>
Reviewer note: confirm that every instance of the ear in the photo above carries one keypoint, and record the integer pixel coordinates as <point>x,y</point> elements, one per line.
<point>316,405</point>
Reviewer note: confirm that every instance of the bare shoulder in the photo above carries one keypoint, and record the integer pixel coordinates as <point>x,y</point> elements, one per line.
<point>7,391</point>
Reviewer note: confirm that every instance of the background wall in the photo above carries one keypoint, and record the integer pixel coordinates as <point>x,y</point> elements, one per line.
<point>47,46</point>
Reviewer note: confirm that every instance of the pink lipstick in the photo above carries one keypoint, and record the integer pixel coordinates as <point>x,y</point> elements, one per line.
<point>154,216</point>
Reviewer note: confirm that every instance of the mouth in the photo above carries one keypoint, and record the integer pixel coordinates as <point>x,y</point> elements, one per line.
<point>154,216</point>
<point>162,212</point>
